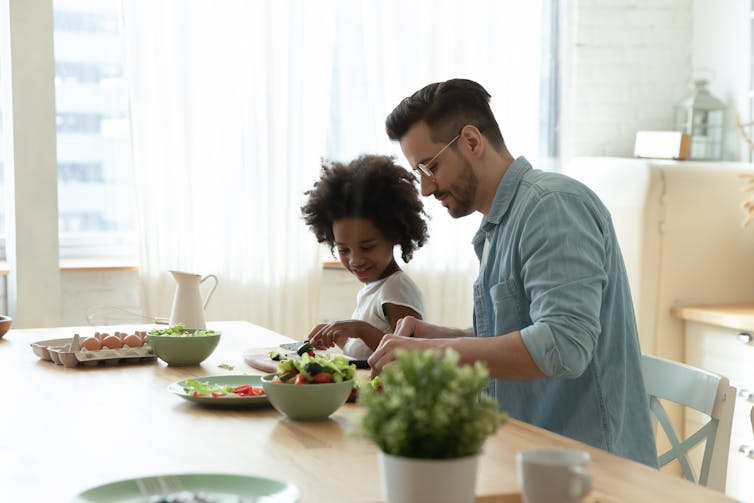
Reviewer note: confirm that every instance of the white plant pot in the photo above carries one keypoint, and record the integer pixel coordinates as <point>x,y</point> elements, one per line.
<point>413,480</point>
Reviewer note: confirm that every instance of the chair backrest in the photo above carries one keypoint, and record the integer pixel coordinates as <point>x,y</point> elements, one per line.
<point>704,391</point>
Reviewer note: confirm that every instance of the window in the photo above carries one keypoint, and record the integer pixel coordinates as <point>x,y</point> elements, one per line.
<point>2,173</point>
<point>95,186</point>
<point>96,196</point>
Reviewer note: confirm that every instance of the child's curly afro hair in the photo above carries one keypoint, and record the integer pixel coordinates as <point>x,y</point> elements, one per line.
<point>371,187</point>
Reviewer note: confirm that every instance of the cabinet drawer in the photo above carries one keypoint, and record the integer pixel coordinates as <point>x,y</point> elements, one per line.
<point>722,350</point>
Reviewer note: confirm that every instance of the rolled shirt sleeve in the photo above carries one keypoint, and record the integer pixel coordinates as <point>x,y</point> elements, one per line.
<point>563,275</point>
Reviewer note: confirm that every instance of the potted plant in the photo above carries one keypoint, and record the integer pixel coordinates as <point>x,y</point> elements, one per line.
<point>429,417</point>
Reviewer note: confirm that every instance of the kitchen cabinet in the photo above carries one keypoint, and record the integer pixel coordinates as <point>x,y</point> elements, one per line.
<point>720,339</point>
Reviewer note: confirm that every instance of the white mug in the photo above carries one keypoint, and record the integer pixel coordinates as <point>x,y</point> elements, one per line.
<point>549,475</point>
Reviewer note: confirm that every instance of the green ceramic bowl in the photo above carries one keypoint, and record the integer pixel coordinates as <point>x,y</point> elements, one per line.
<point>183,351</point>
<point>306,402</point>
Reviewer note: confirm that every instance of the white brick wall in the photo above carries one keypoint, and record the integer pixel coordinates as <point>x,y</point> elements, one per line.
<point>627,62</point>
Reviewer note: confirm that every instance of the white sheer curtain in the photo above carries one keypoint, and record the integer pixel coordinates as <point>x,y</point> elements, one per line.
<point>402,46</point>
<point>229,102</point>
<point>231,112</point>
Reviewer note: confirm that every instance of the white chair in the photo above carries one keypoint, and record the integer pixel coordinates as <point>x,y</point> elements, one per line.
<point>704,391</point>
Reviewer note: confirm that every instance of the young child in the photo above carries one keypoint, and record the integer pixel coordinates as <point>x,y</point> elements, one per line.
<point>364,209</point>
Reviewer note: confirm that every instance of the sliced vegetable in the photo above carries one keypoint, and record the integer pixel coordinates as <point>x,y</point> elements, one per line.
<point>317,369</point>
<point>287,376</point>
<point>313,368</point>
<point>322,378</point>
<point>274,355</point>
<point>306,347</point>
<point>204,388</point>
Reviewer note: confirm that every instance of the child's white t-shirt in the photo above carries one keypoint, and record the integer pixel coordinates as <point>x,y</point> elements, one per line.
<point>398,289</point>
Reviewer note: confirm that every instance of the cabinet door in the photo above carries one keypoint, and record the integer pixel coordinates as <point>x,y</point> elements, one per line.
<point>729,353</point>
<point>740,479</point>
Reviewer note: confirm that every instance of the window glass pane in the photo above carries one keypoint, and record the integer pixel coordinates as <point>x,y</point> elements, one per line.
<point>2,160</point>
<point>95,185</point>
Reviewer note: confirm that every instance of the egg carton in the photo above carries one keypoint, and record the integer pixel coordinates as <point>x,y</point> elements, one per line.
<point>68,353</point>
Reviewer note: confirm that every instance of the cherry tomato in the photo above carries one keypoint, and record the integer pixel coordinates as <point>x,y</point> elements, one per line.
<point>301,379</point>
<point>322,378</point>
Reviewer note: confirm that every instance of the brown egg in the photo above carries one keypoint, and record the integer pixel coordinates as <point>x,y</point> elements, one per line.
<point>133,341</point>
<point>112,342</point>
<point>144,337</point>
<point>91,343</point>
<point>101,336</point>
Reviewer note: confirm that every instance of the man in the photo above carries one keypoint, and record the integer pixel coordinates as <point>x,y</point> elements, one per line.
<point>553,317</point>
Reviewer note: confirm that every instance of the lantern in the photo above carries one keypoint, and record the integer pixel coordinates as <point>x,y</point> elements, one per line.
<point>701,116</point>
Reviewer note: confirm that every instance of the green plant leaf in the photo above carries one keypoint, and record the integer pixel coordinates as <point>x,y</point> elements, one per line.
<point>428,406</point>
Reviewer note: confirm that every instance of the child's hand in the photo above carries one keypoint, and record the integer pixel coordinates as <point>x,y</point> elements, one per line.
<point>327,335</point>
<point>315,337</point>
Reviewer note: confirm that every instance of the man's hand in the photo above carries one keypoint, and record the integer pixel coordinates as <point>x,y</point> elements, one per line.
<point>408,326</point>
<point>415,327</point>
<point>385,352</point>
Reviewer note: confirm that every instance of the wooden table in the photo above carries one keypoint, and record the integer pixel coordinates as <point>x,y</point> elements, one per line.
<point>66,430</point>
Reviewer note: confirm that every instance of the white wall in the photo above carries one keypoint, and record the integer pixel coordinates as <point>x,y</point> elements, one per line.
<point>627,62</point>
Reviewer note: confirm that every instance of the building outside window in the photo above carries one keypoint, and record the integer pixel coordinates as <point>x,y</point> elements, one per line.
<point>95,181</point>
<point>2,161</point>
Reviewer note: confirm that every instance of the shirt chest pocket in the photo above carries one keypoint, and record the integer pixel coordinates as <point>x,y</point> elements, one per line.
<point>506,308</point>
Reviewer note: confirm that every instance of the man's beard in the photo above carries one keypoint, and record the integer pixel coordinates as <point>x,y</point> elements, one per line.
<point>463,191</point>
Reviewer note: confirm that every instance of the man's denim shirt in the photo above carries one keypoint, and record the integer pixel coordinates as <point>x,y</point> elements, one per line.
<point>554,271</point>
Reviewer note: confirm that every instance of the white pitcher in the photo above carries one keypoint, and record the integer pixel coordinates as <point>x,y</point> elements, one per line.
<point>188,308</point>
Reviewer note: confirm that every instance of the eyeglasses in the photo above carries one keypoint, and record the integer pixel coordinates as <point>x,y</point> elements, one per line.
<point>424,168</point>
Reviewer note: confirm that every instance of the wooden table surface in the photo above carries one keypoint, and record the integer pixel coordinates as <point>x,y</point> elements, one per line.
<point>66,430</point>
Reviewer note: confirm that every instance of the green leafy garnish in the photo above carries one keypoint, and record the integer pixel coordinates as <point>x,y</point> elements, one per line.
<point>181,331</point>
<point>206,388</point>
<point>226,366</point>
